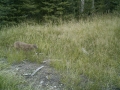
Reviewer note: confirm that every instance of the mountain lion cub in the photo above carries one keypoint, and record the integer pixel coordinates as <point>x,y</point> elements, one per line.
<point>24,46</point>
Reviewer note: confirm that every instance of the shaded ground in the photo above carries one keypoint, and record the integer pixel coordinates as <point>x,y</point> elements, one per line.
<point>44,79</point>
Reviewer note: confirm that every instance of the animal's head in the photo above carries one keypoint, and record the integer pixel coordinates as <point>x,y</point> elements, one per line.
<point>35,46</point>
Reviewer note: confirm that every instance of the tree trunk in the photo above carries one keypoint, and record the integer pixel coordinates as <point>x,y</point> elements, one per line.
<point>82,5</point>
<point>93,4</point>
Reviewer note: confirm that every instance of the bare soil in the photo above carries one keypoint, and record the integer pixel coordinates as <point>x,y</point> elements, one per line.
<point>47,78</point>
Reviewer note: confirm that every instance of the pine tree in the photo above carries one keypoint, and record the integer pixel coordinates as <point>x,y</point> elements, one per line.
<point>24,9</point>
<point>15,11</point>
<point>6,12</point>
<point>51,10</point>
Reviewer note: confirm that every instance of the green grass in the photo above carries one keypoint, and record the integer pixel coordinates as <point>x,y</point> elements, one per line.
<point>63,44</point>
<point>8,81</point>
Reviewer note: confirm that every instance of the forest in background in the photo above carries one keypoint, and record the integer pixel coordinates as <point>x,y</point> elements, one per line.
<point>15,11</point>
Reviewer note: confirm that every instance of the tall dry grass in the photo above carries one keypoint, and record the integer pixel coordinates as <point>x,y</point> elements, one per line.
<point>86,52</point>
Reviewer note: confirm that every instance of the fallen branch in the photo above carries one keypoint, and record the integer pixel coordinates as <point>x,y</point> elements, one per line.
<point>36,70</point>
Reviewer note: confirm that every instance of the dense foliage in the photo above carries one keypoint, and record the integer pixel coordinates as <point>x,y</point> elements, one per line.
<point>14,11</point>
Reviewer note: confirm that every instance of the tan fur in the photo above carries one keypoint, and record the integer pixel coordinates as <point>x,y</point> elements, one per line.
<point>24,46</point>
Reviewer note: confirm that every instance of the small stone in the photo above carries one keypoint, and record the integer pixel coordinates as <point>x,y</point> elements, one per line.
<point>47,77</point>
<point>41,82</point>
<point>17,69</point>
<point>54,86</point>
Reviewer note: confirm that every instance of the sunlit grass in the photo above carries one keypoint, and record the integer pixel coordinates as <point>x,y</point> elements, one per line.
<point>86,52</point>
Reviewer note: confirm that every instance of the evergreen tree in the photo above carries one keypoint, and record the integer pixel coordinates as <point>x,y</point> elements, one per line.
<point>23,9</point>
<point>52,9</point>
<point>14,11</point>
<point>6,12</point>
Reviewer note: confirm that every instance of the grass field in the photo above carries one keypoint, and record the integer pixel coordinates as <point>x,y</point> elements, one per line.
<point>86,52</point>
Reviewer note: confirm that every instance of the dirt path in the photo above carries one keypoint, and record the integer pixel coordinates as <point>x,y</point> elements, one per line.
<point>44,79</point>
